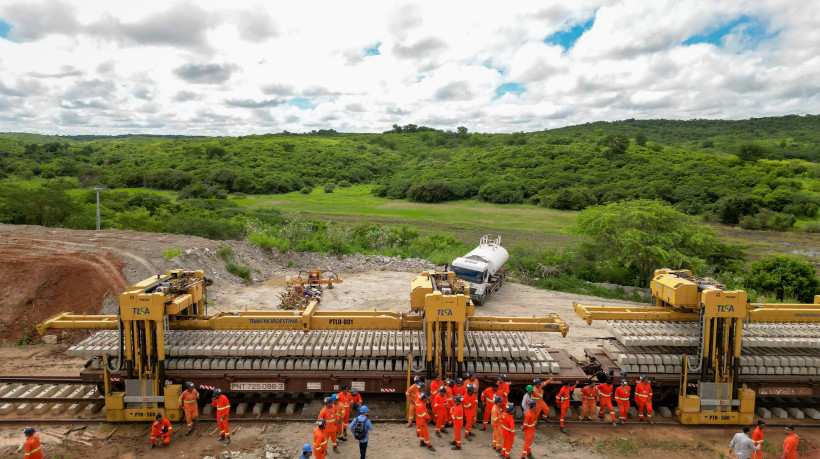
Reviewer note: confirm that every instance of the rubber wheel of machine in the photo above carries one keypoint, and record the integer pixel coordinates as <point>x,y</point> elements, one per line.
<point>477,301</point>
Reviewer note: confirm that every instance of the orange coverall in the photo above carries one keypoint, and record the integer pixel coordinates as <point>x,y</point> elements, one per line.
<point>488,397</point>
<point>622,398</point>
<point>495,421</point>
<point>355,400</point>
<point>223,409</point>
<point>605,398</point>
<point>440,408</point>
<point>508,426</point>
<point>330,424</point>
<point>457,414</point>
<point>338,408</point>
<point>790,446</point>
<point>643,398</point>
<point>450,403</point>
<point>562,400</point>
<point>460,390</point>
<point>541,408</point>
<point>421,423</point>
<point>344,401</point>
<point>187,400</point>
<point>504,392</point>
<point>757,438</point>
<point>156,431</point>
<point>33,450</point>
<point>411,394</point>
<point>474,382</point>
<point>435,384</point>
<point>319,443</point>
<point>469,404</point>
<point>530,419</point>
<point>589,397</point>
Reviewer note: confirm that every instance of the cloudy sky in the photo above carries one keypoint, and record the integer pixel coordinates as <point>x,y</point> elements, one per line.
<point>235,68</point>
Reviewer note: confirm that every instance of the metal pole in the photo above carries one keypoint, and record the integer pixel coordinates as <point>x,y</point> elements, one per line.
<point>98,210</point>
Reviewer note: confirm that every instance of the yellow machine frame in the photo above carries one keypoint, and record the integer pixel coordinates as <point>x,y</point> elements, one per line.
<point>680,297</point>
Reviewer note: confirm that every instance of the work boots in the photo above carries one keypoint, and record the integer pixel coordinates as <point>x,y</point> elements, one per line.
<point>589,418</point>
<point>221,437</point>
<point>430,447</point>
<point>228,441</point>
<point>529,455</point>
<point>188,432</point>
<point>483,428</point>
<point>336,450</point>
<point>409,424</point>
<point>614,423</point>
<point>640,419</point>
<point>453,442</point>
<point>438,434</point>
<point>457,448</point>
<point>651,421</point>
<point>563,430</point>
<point>152,447</point>
<point>623,422</point>
<point>422,444</point>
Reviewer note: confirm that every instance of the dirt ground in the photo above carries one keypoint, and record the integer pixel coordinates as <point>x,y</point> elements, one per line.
<point>46,270</point>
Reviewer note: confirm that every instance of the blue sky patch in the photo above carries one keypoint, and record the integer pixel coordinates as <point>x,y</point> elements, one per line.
<point>567,38</point>
<point>752,29</point>
<point>4,30</point>
<point>302,103</point>
<point>509,88</point>
<point>373,50</point>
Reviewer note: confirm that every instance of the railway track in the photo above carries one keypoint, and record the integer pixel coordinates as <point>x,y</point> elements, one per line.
<point>61,399</point>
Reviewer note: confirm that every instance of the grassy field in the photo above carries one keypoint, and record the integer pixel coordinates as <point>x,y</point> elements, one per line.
<point>517,223</point>
<point>466,219</point>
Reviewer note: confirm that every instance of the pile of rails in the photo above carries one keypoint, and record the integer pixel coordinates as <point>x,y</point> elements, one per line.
<point>767,349</point>
<point>326,350</point>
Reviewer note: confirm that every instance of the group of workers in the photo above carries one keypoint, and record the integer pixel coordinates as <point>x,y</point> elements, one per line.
<point>161,428</point>
<point>334,422</point>
<point>746,446</point>
<point>455,402</point>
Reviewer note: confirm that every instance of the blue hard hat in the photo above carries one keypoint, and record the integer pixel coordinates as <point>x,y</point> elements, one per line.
<point>328,400</point>
<point>420,385</point>
<point>321,422</point>
<point>537,381</point>
<point>470,388</point>
<point>510,407</point>
<point>502,376</point>
<point>418,379</point>
<point>459,380</point>
<point>458,398</point>
<point>306,448</point>
<point>217,392</point>
<point>364,409</point>
<point>471,373</point>
<point>334,397</point>
<point>498,399</point>
<point>442,389</point>
<point>29,431</point>
<point>644,377</point>
<point>623,374</point>
<point>623,382</point>
<point>422,396</point>
<point>450,382</point>
<point>189,384</point>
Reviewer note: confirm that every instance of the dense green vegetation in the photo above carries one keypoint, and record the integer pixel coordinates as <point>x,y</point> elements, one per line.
<point>640,181</point>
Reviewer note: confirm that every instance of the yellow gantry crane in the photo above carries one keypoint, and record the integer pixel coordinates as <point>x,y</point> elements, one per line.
<point>440,308</point>
<point>681,297</point>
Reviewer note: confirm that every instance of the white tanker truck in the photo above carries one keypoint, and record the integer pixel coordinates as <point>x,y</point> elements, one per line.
<point>483,268</point>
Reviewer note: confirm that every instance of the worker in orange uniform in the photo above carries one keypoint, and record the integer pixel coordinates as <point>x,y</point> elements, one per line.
<point>411,393</point>
<point>451,393</point>
<point>440,409</point>
<point>622,399</point>
<point>32,447</point>
<point>435,384</point>
<point>605,400</point>
<point>422,418</point>
<point>541,408</point>
<point>504,389</point>
<point>589,399</point>
<point>460,389</point>
<point>344,403</point>
<point>330,423</point>
<point>757,439</point>
<point>457,415</point>
<point>470,402</point>
<point>643,398</point>
<point>473,380</point>
<point>508,426</point>
<point>188,401</point>
<point>790,444</point>
<point>530,419</point>
<point>320,439</point>
<point>495,422</point>
<point>562,401</point>
<point>223,409</point>
<point>337,416</point>
<point>161,428</point>
<point>488,400</point>
<point>355,400</point>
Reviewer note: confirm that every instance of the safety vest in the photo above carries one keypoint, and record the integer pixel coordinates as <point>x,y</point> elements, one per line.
<point>622,394</point>
<point>643,390</point>
<point>604,391</point>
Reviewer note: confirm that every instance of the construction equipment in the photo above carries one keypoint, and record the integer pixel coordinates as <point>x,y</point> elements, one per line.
<point>315,278</point>
<point>169,339</point>
<point>695,332</point>
<point>483,268</point>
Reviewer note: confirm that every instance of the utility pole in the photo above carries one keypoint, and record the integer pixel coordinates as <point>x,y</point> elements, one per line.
<point>98,189</point>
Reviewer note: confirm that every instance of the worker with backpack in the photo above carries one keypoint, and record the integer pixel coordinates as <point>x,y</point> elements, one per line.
<point>360,427</point>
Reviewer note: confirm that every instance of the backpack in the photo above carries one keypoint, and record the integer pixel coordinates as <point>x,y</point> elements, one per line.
<point>359,430</point>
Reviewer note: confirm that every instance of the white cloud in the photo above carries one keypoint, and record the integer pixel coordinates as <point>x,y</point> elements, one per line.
<point>210,67</point>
